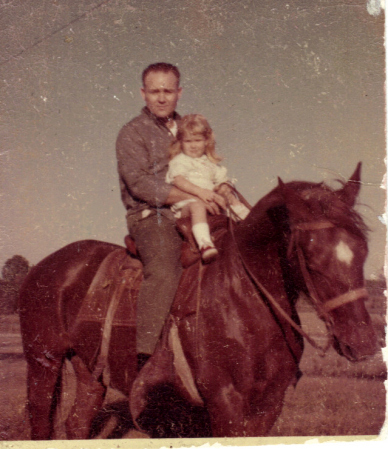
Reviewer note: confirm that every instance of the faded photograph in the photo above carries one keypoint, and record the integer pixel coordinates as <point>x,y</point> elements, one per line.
<point>192,220</point>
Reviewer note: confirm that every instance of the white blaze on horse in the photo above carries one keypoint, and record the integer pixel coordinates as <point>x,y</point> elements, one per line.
<point>232,343</point>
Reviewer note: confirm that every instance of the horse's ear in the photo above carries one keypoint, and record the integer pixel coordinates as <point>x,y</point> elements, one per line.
<point>279,214</point>
<point>296,206</point>
<point>349,192</point>
<point>282,188</point>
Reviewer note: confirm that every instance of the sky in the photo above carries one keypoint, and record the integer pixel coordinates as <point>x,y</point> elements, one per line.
<point>292,89</point>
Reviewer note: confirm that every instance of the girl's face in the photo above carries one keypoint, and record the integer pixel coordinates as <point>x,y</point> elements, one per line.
<point>193,145</point>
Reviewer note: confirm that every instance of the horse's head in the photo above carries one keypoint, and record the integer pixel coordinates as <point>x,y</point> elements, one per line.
<point>328,243</point>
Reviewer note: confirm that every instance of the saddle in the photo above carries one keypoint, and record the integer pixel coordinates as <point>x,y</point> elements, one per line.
<point>190,253</point>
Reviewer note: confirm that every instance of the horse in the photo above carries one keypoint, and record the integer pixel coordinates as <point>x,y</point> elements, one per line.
<point>232,342</point>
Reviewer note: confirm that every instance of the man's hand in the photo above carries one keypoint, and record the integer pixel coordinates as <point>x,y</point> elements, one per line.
<point>208,196</point>
<point>227,193</point>
<point>213,208</point>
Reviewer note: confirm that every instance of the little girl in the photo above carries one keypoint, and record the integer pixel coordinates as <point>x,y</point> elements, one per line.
<point>194,169</point>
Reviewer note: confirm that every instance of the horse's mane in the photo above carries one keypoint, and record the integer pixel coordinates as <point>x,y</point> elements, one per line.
<point>327,204</point>
<point>317,200</point>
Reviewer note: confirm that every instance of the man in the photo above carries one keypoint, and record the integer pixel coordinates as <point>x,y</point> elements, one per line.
<point>142,155</point>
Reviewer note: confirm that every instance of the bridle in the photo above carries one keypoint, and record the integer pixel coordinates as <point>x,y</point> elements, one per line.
<point>323,309</point>
<point>331,304</point>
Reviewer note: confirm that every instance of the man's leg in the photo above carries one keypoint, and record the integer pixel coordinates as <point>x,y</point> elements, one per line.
<point>159,246</point>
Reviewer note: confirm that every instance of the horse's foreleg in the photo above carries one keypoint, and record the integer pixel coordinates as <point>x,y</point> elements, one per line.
<point>235,415</point>
<point>226,410</point>
<point>43,382</point>
<point>267,399</point>
<point>89,399</point>
<point>261,423</point>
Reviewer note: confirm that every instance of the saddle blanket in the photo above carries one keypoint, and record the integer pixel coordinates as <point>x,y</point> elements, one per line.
<point>117,282</point>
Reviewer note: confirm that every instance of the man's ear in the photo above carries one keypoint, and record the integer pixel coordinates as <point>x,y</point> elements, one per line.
<point>180,90</point>
<point>142,92</point>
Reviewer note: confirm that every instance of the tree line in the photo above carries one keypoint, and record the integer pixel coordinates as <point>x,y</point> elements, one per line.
<point>13,274</point>
<point>17,267</point>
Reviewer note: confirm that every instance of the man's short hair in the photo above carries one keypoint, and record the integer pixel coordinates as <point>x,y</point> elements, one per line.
<point>164,67</point>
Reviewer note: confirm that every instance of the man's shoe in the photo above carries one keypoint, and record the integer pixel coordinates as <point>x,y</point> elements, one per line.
<point>142,360</point>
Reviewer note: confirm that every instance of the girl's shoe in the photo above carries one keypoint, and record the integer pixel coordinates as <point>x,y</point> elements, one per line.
<point>208,254</point>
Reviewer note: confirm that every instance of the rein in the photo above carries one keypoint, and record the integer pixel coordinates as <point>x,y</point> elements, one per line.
<point>199,296</point>
<point>322,309</point>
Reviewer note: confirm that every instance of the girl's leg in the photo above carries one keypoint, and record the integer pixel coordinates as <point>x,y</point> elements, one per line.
<point>200,229</point>
<point>196,210</point>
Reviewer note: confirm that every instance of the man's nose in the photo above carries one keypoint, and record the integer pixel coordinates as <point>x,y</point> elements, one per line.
<point>162,97</point>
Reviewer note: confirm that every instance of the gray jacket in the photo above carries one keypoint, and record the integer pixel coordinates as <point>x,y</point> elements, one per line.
<point>142,162</point>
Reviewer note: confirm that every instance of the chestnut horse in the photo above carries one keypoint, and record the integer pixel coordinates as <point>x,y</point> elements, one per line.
<point>232,343</point>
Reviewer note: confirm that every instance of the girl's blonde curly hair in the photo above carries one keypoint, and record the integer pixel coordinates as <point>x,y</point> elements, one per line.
<point>195,124</point>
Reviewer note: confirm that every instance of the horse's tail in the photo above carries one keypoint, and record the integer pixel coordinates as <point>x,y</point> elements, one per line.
<point>49,301</point>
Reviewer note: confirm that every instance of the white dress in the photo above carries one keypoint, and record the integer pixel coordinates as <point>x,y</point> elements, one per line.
<point>199,171</point>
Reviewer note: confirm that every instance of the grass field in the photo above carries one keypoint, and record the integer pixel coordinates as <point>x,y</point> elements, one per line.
<point>335,396</point>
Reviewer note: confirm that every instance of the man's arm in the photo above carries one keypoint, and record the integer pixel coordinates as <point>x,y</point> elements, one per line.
<point>177,195</point>
<point>206,195</point>
<point>144,181</point>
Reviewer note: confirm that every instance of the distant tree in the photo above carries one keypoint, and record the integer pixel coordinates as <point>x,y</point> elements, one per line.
<point>378,281</point>
<point>376,288</point>
<point>13,273</point>
<point>381,280</point>
<point>15,269</point>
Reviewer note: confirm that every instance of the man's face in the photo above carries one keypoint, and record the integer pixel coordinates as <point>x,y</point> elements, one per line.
<point>161,93</point>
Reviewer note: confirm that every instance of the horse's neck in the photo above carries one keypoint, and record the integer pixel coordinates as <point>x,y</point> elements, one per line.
<point>264,249</point>
<point>268,268</point>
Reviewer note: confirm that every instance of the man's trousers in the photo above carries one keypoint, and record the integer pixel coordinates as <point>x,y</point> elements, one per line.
<point>159,247</point>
